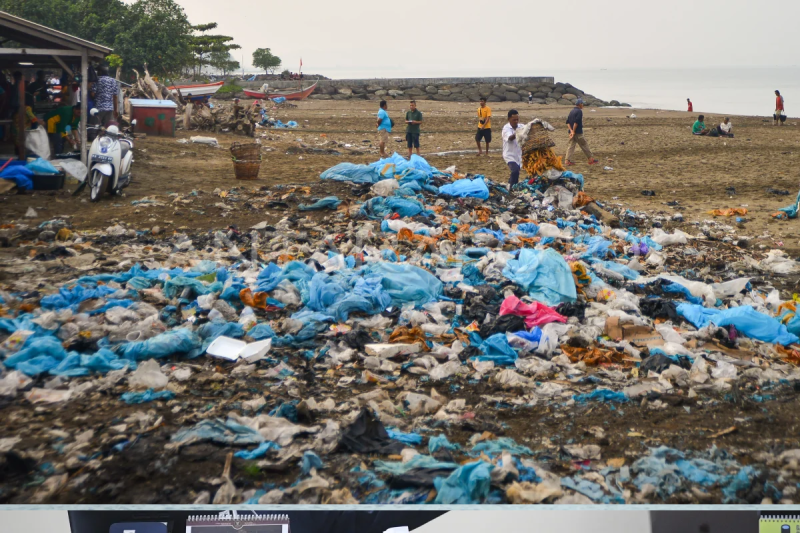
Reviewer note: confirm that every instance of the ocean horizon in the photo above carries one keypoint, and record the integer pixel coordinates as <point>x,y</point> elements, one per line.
<point>719,90</point>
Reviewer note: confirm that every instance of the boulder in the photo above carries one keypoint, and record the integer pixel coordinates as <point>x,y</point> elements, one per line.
<point>493,98</point>
<point>571,97</point>
<point>415,91</point>
<point>345,90</point>
<point>457,90</point>
<point>329,89</point>
<point>459,98</point>
<point>360,90</point>
<point>440,97</point>
<point>374,88</point>
<point>523,93</point>
<point>546,86</point>
<point>430,89</point>
<point>614,103</point>
<point>538,101</point>
<point>564,101</point>
<point>381,92</point>
<point>540,94</point>
<point>341,96</point>
<point>550,101</point>
<point>553,94</point>
<point>395,93</point>
<point>320,97</point>
<point>484,89</point>
<point>512,97</point>
<point>574,91</point>
<point>509,88</point>
<point>444,92</point>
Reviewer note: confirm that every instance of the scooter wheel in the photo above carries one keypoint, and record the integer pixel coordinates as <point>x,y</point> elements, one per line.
<point>98,185</point>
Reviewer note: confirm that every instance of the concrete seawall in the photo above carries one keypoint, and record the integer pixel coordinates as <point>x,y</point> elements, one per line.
<point>404,82</point>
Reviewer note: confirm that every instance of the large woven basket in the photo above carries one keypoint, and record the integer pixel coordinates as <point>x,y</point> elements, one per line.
<point>246,152</point>
<point>246,170</point>
<point>538,138</point>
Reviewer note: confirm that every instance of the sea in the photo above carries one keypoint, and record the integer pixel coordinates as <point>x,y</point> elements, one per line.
<point>734,91</point>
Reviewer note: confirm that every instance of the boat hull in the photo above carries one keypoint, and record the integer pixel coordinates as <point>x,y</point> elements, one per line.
<point>298,95</point>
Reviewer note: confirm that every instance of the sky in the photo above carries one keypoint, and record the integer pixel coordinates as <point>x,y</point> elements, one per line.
<point>418,38</point>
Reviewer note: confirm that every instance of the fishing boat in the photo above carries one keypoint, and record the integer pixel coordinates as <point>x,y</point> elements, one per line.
<point>202,90</point>
<point>302,94</point>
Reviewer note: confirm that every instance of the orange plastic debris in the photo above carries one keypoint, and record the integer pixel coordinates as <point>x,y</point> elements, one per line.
<point>257,300</point>
<point>728,212</point>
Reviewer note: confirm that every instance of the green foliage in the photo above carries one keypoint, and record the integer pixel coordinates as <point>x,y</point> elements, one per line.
<point>212,50</point>
<point>286,73</point>
<point>114,61</point>
<point>155,32</point>
<point>263,58</point>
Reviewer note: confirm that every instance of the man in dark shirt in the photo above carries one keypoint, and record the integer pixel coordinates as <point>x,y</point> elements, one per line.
<point>413,119</point>
<point>575,126</point>
<point>38,87</point>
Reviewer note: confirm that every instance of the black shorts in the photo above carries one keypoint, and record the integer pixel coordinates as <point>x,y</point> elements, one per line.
<point>484,135</point>
<point>412,140</point>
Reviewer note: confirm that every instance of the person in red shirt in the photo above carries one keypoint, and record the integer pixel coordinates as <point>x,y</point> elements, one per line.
<point>776,118</point>
<point>688,101</point>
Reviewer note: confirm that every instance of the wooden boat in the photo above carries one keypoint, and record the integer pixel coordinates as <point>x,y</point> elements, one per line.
<point>289,95</point>
<point>202,90</point>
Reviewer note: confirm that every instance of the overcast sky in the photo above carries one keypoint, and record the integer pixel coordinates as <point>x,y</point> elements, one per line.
<point>369,38</point>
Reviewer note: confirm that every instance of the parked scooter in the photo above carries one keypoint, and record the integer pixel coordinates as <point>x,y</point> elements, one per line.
<point>110,160</point>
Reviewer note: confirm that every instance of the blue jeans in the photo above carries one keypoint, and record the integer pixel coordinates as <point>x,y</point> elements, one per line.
<point>514,173</point>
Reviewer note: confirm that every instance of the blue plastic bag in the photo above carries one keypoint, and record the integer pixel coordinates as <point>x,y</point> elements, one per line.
<point>229,432</point>
<point>176,341</point>
<point>35,347</point>
<point>469,484</point>
<point>329,202</point>
<point>42,166</point>
<point>147,396</point>
<point>407,283</point>
<point>260,332</point>
<point>352,173</point>
<point>544,275</point>
<point>601,395</point>
<point>258,452</point>
<point>466,188</point>
<point>440,442</point>
<point>744,318</point>
<point>71,298</point>
<point>497,349</point>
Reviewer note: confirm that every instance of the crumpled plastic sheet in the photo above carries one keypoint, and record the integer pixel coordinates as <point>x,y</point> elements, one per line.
<point>791,210</point>
<point>469,484</point>
<point>406,283</point>
<point>260,332</point>
<point>597,246</point>
<point>440,442</point>
<point>17,172</point>
<point>308,461</point>
<point>497,349</point>
<point>405,438</point>
<point>175,286</point>
<point>589,489</point>
<point>744,318</point>
<point>227,432</point>
<point>258,452</point>
<point>353,173</point>
<point>601,395</point>
<point>71,298</point>
<point>419,461</point>
<point>544,275</point>
<point>147,396</point>
<point>500,445</point>
<point>337,296</point>
<point>329,202</point>
<point>378,208</point>
<point>466,188</point>
<point>294,271</point>
<point>626,272</point>
<point>536,314</point>
<point>175,341</point>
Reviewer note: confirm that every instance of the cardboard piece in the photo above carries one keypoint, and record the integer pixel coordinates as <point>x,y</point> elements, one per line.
<point>638,335</point>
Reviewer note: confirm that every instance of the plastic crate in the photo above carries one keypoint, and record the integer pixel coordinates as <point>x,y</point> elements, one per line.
<point>48,182</point>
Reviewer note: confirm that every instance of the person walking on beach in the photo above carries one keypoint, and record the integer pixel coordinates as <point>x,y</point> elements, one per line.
<point>484,126</point>
<point>691,107</point>
<point>413,120</point>
<point>530,98</point>
<point>384,127</point>
<point>575,126</point>
<point>512,153</point>
<point>778,109</point>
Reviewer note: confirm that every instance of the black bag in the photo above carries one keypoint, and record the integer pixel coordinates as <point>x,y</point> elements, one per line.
<point>391,121</point>
<point>783,118</point>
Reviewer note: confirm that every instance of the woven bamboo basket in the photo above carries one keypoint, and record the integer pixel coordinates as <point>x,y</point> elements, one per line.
<point>246,170</point>
<point>538,138</point>
<point>245,152</point>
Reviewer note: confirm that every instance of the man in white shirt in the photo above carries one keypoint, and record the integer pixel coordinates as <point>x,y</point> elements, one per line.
<point>512,153</point>
<point>726,128</point>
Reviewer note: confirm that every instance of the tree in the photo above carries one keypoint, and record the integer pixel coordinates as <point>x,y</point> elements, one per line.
<point>263,58</point>
<point>204,46</point>
<point>158,33</point>
<point>223,61</point>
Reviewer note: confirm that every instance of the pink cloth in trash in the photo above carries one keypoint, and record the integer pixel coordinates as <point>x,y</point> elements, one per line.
<point>535,314</point>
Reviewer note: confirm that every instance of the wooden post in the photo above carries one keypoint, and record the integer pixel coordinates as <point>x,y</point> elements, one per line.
<point>21,121</point>
<point>84,105</point>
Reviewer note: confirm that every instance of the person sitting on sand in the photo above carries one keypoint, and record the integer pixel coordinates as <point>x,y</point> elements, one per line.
<point>726,128</point>
<point>699,127</point>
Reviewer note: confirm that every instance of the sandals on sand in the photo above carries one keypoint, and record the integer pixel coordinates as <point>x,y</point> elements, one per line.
<point>593,161</point>
<point>569,163</point>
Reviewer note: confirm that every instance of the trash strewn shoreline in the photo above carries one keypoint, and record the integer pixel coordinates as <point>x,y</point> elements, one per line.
<point>434,338</point>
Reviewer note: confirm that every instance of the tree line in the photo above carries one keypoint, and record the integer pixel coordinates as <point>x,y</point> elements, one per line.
<point>152,32</point>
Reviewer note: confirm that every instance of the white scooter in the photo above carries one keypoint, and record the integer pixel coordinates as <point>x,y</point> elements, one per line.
<point>110,160</point>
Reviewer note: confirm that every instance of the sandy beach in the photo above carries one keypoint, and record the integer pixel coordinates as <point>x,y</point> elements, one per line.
<point>655,151</point>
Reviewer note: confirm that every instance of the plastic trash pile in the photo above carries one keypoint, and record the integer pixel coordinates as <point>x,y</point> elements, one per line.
<point>437,339</point>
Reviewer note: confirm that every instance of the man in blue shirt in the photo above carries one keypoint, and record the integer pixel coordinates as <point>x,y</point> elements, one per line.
<point>575,127</point>
<point>384,128</point>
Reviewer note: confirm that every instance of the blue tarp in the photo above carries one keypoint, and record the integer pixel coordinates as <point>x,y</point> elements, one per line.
<point>406,283</point>
<point>17,172</point>
<point>544,275</point>
<point>744,318</point>
<point>329,202</point>
<point>466,188</point>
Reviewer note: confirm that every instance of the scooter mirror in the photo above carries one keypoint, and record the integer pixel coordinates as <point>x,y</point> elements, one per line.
<point>94,111</point>
<point>133,123</point>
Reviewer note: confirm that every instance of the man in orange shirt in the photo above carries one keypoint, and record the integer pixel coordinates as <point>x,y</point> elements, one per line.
<point>776,118</point>
<point>484,127</point>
